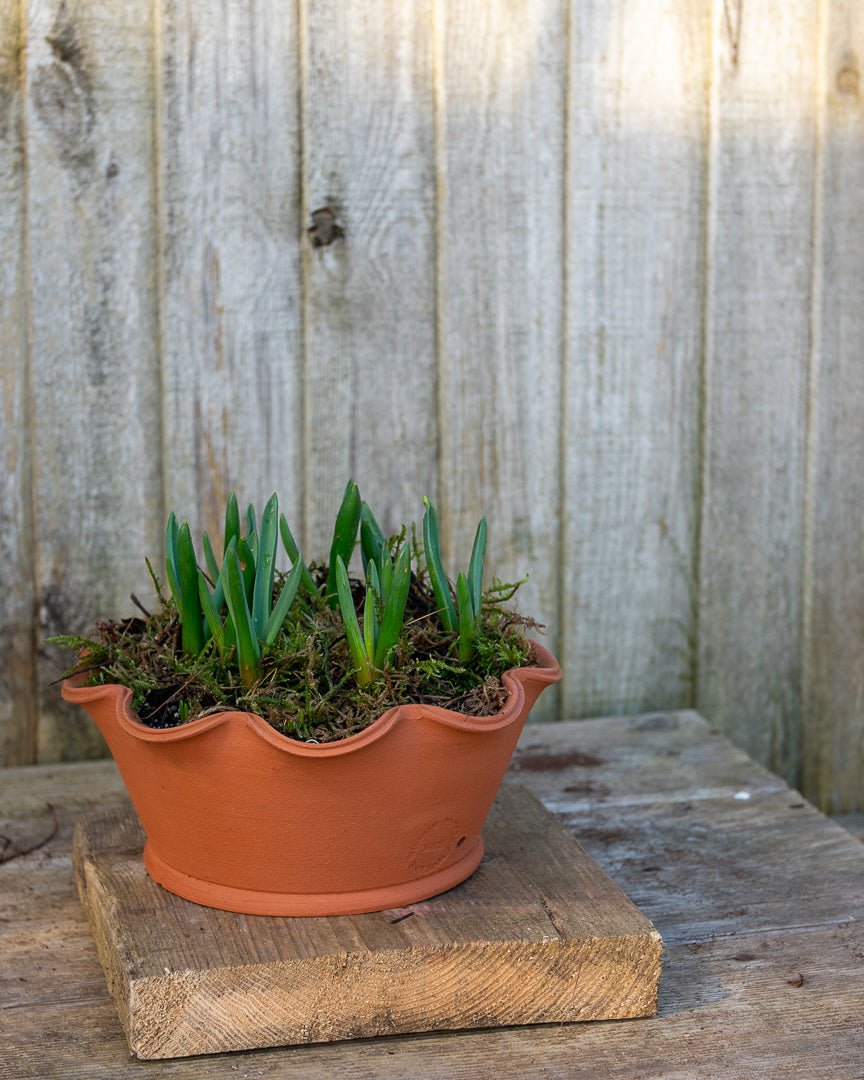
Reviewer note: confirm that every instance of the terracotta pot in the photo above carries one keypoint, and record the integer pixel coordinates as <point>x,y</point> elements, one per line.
<point>240,817</point>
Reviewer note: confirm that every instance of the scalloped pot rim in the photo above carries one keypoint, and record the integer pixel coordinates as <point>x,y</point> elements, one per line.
<point>548,671</point>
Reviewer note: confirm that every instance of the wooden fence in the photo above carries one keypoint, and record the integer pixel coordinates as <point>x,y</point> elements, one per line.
<point>592,268</point>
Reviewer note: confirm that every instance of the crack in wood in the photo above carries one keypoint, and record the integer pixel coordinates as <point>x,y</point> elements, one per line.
<point>551,916</point>
<point>733,28</point>
<point>16,852</point>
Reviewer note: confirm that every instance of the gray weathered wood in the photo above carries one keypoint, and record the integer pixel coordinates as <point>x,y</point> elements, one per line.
<point>18,707</point>
<point>748,989</point>
<point>853,823</point>
<point>229,161</point>
<point>369,341</point>
<point>96,490</point>
<point>500,130</point>
<point>598,281</point>
<point>635,206</point>
<point>833,757</point>
<point>537,935</point>
<point>757,345</point>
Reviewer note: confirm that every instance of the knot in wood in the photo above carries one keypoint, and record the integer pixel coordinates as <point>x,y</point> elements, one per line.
<point>63,97</point>
<point>325,229</point>
<point>848,80</point>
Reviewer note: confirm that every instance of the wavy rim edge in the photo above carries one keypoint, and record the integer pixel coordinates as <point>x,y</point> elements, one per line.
<point>547,671</point>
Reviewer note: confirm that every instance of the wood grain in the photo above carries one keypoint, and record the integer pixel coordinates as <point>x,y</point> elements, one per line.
<point>636,174</point>
<point>96,489</point>
<point>833,751</point>
<point>232,330</point>
<point>588,269</point>
<point>500,84</point>
<point>760,214</point>
<point>538,935</point>
<point>368,158</point>
<point>746,991</point>
<point>18,711</point>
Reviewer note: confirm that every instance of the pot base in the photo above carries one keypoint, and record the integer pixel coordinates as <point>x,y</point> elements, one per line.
<point>250,902</point>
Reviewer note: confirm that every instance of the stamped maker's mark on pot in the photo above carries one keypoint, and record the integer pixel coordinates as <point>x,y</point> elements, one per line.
<point>434,846</point>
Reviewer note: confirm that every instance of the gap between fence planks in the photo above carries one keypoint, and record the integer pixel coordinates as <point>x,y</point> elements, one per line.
<point>539,934</point>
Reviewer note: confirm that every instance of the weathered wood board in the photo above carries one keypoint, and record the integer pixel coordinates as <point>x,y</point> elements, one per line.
<point>539,934</point>
<point>605,292</point>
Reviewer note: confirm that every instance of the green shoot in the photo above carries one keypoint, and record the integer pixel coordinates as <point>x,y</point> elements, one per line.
<point>356,645</point>
<point>262,590</point>
<point>344,536</point>
<point>247,586</point>
<point>383,614</point>
<point>464,616</point>
<point>248,649</point>
<point>437,579</point>
<point>232,522</point>
<point>465,641</point>
<point>182,570</point>
<point>371,538</point>
<point>395,597</point>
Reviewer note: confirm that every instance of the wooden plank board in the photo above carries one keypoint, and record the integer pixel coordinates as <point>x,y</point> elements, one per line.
<point>18,710</point>
<point>538,935</point>
<point>500,99</point>
<point>715,1028</point>
<point>369,333</point>
<point>833,720</point>
<point>853,823</point>
<point>784,1005</point>
<point>757,350</point>
<point>230,248</point>
<point>754,995</point>
<point>636,170</point>
<point>96,487</point>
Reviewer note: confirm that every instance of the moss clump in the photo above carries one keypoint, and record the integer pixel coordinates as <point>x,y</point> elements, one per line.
<point>307,689</point>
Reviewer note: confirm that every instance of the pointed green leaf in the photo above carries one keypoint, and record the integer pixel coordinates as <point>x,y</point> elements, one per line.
<point>371,537</point>
<point>251,526</point>
<point>344,536</point>
<point>210,558</point>
<point>475,568</point>
<point>173,583</point>
<point>465,644</point>
<point>352,626</point>
<point>211,614</point>
<point>371,609</point>
<point>394,610</point>
<point>386,565</point>
<point>232,523</point>
<point>191,627</point>
<point>219,587</point>
<point>248,650</point>
<point>437,579</point>
<point>247,562</point>
<point>280,608</point>
<point>173,571</point>
<point>265,565</point>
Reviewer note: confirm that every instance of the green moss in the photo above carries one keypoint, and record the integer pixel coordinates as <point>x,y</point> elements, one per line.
<point>307,688</point>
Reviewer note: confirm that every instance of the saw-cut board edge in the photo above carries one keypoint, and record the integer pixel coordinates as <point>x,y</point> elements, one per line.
<point>539,934</point>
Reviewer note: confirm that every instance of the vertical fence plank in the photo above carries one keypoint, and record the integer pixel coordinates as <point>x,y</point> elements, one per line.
<point>370,330</point>
<point>758,344</point>
<point>833,717</point>
<point>501,155</point>
<point>636,177</point>
<point>18,716</point>
<point>230,162</point>
<point>95,378</point>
